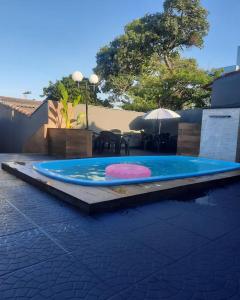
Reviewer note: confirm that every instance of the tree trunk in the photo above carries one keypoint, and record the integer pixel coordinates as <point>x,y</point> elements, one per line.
<point>168,63</point>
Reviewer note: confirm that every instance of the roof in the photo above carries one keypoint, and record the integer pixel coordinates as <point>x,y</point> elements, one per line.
<point>23,106</point>
<point>209,86</point>
<point>228,74</point>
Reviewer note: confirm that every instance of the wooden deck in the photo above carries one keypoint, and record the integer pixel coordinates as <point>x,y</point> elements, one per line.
<point>96,199</point>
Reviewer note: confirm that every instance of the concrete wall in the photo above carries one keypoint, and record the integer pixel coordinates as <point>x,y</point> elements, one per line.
<point>38,142</point>
<point>22,133</point>
<point>220,134</point>
<point>226,91</point>
<point>16,128</point>
<point>99,118</point>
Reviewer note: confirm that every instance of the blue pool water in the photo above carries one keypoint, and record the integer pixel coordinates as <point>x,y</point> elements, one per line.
<point>91,171</point>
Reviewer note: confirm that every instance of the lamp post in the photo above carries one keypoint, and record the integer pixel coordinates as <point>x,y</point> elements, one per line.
<point>77,76</point>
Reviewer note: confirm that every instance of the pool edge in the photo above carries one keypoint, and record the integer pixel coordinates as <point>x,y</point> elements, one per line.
<point>150,192</point>
<point>232,166</point>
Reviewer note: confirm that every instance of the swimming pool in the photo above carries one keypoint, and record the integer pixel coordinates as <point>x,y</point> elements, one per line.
<point>91,171</point>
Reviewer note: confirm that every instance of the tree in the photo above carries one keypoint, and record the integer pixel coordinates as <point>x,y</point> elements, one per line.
<point>182,24</point>
<point>127,65</point>
<point>180,88</point>
<point>52,92</point>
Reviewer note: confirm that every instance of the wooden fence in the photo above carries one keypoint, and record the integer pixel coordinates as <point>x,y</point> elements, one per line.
<point>189,135</point>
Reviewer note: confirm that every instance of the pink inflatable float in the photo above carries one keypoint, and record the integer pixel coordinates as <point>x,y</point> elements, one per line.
<point>127,171</point>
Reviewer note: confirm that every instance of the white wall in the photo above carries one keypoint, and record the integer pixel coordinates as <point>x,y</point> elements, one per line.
<point>220,134</point>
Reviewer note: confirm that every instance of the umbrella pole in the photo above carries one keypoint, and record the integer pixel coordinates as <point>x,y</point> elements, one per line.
<point>159,128</point>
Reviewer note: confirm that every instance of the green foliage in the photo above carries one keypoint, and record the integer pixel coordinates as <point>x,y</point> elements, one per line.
<point>66,109</point>
<point>128,63</point>
<point>185,24</point>
<point>181,88</point>
<point>52,92</point>
<point>182,24</point>
<point>80,118</point>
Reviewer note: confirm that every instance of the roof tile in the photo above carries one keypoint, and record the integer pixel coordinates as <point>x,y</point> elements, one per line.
<point>24,106</point>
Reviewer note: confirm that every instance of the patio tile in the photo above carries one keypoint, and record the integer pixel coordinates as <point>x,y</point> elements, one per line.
<point>126,220</point>
<point>76,234</point>
<point>24,249</point>
<point>155,288</point>
<point>165,210</point>
<point>225,214</point>
<point>168,239</point>
<point>6,207</point>
<point>12,183</point>
<point>25,191</point>
<point>210,273</point>
<point>60,278</point>
<point>228,195</point>
<point>6,176</point>
<point>203,225</point>
<point>120,262</point>
<point>34,201</point>
<point>42,208</point>
<point>45,215</point>
<point>117,260</point>
<point>20,191</point>
<point>167,286</point>
<point>14,222</point>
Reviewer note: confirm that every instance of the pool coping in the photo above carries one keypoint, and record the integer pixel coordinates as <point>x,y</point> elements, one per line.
<point>43,168</point>
<point>92,200</point>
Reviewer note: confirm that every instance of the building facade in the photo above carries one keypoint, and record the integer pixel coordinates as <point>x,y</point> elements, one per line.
<point>235,67</point>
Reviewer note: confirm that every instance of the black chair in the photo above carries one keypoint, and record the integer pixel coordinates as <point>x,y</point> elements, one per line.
<point>161,142</point>
<point>164,141</point>
<point>147,141</point>
<point>173,143</point>
<point>125,142</point>
<point>110,141</point>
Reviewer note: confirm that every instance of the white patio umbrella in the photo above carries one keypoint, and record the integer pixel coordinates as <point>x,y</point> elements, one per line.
<point>161,114</point>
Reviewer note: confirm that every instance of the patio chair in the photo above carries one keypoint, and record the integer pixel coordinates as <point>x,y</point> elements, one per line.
<point>125,142</point>
<point>109,140</point>
<point>147,141</point>
<point>117,131</point>
<point>161,141</point>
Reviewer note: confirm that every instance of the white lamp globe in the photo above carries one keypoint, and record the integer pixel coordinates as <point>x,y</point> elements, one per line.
<point>93,79</point>
<point>77,76</point>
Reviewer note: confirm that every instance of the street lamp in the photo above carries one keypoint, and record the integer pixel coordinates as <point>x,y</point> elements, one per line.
<point>77,76</point>
<point>93,79</point>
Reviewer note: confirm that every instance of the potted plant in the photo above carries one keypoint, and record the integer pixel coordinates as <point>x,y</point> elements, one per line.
<point>69,140</point>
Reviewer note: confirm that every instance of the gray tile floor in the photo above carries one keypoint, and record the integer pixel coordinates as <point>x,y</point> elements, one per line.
<point>171,250</point>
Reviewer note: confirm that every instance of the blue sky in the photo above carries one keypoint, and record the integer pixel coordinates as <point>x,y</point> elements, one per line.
<point>43,40</point>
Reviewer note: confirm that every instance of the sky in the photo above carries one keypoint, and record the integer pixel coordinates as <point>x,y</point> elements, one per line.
<point>43,40</point>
